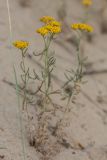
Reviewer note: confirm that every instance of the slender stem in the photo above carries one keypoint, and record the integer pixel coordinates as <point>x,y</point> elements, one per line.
<point>20,116</point>
<point>80,65</point>
<point>25,75</point>
<point>47,42</point>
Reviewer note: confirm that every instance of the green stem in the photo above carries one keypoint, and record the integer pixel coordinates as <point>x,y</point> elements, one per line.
<point>20,116</point>
<point>80,65</point>
<point>46,66</point>
<point>25,75</point>
<point>47,42</point>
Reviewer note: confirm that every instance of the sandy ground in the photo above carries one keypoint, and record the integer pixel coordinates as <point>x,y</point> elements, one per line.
<point>88,119</point>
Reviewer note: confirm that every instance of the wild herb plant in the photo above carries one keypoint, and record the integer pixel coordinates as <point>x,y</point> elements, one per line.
<point>48,31</point>
<point>70,89</point>
<point>25,73</point>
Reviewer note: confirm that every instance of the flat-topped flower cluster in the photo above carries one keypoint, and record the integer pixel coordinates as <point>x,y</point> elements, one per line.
<point>87,2</point>
<point>50,26</point>
<point>82,27</point>
<point>21,44</point>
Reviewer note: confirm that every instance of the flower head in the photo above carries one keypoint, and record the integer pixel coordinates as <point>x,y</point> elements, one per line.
<point>55,23</point>
<point>87,2</point>
<point>51,26</point>
<point>82,27</point>
<point>47,19</point>
<point>43,31</point>
<point>21,44</point>
<point>53,29</point>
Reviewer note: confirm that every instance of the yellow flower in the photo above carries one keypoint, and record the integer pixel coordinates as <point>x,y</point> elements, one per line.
<point>47,19</point>
<point>82,27</point>
<point>51,26</point>
<point>74,26</point>
<point>21,44</point>
<point>87,2</point>
<point>53,29</point>
<point>43,31</point>
<point>55,23</point>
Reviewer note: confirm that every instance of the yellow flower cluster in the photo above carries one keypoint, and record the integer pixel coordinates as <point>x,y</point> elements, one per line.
<point>43,31</point>
<point>54,27</point>
<point>82,27</point>
<point>47,19</point>
<point>87,2</point>
<point>21,44</point>
<point>55,23</point>
<point>51,26</point>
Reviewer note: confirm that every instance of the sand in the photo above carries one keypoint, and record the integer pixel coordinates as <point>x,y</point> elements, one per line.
<point>88,119</point>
